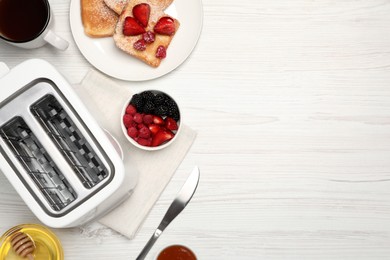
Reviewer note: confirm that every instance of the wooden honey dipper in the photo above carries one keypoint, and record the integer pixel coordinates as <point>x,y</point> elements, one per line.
<point>23,245</point>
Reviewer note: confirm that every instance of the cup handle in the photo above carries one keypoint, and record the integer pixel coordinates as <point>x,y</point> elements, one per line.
<point>56,41</point>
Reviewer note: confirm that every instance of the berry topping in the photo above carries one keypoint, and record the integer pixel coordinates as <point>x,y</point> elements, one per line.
<point>144,132</point>
<point>140,45</point>
<point>158,120</point>
<point>161,52</point>
<point>130,109</point>
<point>162,136</point>
<point>141,12</point>
<point>149,37</point>
<point>138,118</point>
<point>131,27</point>
<point>132,132</point>
<point>165,26</point>
<point>127,120</point>
<point>148,119</point>
<point>170,123</point>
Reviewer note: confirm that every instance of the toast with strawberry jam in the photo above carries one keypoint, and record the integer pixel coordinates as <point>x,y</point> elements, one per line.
<point>145,31</point>
<point>98,19</point>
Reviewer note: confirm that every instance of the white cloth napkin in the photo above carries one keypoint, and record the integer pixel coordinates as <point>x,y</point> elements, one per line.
<point>105,100</point>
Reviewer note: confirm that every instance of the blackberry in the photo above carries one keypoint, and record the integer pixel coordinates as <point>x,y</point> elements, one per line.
<point>138,102</point>
<point>161,110</point>
<point>173,110</point>
<point>148,95</point>
<point>149,107</point>
<point>159,99</point>
<point>175,115</point>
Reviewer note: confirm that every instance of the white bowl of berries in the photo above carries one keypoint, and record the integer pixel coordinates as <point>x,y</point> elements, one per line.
<point>151,120</point>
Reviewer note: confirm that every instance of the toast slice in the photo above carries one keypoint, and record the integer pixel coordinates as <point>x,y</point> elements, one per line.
<point>116,5</point>
<point>98,19</point>
<point>126,43</point>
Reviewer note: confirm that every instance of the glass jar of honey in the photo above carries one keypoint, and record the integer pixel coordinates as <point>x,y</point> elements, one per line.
<point>47,245</point>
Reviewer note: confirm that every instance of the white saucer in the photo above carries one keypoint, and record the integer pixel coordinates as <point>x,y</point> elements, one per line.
<point>106,57</point>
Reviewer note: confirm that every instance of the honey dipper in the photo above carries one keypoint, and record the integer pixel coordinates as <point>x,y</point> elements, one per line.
<point>23,245</point>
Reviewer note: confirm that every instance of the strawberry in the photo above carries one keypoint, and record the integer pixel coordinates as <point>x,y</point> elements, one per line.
<point>140,45</point>
<point>131,27</point>
<point>165,26</point>
<point>171,124</point>
<point>130,109</point>
<point>141,12</point>
<point>132,132</point>
<point>154,128</point>
<point>158,120</point>
<point>161,52</point>
<point>149,37</point>
<point>162,136</point>
<point>127,120</point>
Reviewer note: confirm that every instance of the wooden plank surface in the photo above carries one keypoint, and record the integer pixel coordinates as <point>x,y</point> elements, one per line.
<point>291,101</point>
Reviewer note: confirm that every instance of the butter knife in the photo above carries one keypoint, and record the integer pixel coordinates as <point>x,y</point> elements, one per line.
<point>182,198</point>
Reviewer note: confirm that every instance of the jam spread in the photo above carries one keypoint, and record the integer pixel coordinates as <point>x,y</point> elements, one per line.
<point>176,252</point>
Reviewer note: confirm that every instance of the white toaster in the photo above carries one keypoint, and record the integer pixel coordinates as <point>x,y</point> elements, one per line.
<point>52,150</point>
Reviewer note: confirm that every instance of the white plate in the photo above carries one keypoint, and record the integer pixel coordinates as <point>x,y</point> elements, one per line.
<point>106,57</point>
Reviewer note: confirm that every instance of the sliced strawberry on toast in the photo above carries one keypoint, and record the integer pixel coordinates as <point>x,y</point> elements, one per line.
<point>163,33</point>
<point>131,27</point>
<point>141,12</point>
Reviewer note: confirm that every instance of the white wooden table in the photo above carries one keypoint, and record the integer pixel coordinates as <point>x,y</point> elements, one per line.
<point>291,101</point>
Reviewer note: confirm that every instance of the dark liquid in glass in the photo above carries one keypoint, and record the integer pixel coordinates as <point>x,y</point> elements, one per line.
<point>23,20</point>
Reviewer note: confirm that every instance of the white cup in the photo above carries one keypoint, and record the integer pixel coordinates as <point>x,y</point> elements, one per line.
<point>39,35</point>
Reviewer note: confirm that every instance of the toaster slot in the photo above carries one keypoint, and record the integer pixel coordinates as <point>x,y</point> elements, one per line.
<point>38,164</point>
<point>70,141</point>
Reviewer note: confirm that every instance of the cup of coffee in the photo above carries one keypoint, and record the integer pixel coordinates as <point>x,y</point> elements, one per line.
<point>28,24</point>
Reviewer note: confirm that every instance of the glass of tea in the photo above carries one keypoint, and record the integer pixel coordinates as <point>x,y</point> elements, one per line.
<point>28,24</point>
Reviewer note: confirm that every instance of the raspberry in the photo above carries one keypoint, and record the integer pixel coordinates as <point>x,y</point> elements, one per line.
<point>149,37</point>
<point>139,126</point>
<point>144,132</point>
<point>140,45</point>
<point>131,110</point>
<point>145,142</point>
<point>132,132</point>
<point>161,52</point>
<point>127,120</point>
<point>148,119</point>
<point>138,118</point>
